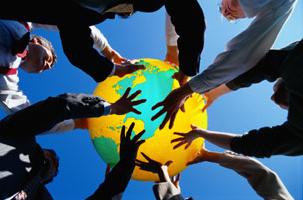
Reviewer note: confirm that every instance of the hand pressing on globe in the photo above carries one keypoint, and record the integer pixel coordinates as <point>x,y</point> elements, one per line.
<point>129,147</point>
<point>171,105</point>
<point>126,68</point>
<point>126,103</point>
<point>154,167</point>
<point>186,138</point>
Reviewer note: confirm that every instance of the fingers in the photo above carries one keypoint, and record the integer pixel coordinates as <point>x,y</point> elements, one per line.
<point>157,105</point>
<point>188,144</point>
<point>140,163</point>
<point>164,121</point>
<point>138,136</point>
<point>172,120</point>
<point>135,103</point>
<point>134,110</point>
<point>122,135</point>
<point>134,95</point>
<point>177,140</point>
<point>126,93</point>
<point>180,134</point>
<point>136,67</point>
<point>157,115</point>
<point>130,130</point>
<point>179,144</point>
<point>146,157</point>
<point>138,144</point>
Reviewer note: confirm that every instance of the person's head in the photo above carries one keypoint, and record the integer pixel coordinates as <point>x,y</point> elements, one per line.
<point>51,165</point>
<point>280,95</point>
<point>231,9</point>
<point>41,55</point>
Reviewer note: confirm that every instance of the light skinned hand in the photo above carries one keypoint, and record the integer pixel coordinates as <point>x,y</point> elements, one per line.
<point>186,138</point>
<point>215,93</point>
<point>113,55</point>
<point>126,103</point>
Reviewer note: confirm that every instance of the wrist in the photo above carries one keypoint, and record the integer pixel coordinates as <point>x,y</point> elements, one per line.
<point>185,90</point>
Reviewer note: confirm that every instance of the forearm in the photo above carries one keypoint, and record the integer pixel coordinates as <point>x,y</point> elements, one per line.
<point>116,181</point>
<point>220,139</point>
<point>243,52</point>
<point>42,116</point>
<point>190,43</point>
<point>82,54</point>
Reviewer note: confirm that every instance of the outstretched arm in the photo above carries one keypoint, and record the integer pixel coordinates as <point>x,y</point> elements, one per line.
<point>188,19</point>
<point>117,180</point>
<point>245,50</point>
<point>44,115</point>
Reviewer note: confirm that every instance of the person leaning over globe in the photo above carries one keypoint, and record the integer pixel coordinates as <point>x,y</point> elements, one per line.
<point>18,132</point>
<point>242,52</point>
<point>84,13</point>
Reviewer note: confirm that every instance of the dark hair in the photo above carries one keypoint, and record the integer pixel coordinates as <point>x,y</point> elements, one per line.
<point>47,44</point>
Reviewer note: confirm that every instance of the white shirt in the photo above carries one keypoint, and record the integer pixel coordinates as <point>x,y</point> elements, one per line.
<point>246,49</point>
<point>170,32</point>
<point>11,98</point>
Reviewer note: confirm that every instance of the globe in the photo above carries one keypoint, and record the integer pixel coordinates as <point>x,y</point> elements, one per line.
<point>156,83</point>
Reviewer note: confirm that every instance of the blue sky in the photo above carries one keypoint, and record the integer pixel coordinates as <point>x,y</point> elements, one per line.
<point>142,35</point>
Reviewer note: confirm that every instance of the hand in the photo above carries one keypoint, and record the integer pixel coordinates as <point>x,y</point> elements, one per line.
<point>113,55</point>
<point>213,94</point>
<point>171,105</point>
<point>129,147</point>
<point>180,77</point>
<point>186,138</point>
<point>151,165</point>
<point>126,104</point>
<point>201,156</point>
<point>127,68</point>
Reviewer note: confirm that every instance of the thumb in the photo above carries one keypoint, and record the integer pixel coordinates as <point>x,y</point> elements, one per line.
<point>193,126</point>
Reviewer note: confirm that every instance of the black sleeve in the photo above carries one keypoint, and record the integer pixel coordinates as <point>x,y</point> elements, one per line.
<point>268,68</point>
<point>265,142</point>
<point>188,19</point>
<point>42,116</point>
<point>116,181</point>
<point>78,47</point>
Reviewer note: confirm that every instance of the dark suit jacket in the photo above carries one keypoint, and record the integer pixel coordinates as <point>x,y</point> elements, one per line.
<point>74,20</point>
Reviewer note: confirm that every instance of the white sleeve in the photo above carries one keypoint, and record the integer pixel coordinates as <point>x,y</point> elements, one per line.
<point>245,50</point>
<point>170,32</point>
<point>100,41</point>
<point>13,101</point>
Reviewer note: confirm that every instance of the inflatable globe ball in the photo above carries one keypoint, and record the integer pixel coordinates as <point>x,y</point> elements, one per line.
<point>156,83</point>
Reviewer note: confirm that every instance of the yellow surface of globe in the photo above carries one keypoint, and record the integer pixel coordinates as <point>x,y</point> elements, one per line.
<point>156,83</point>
